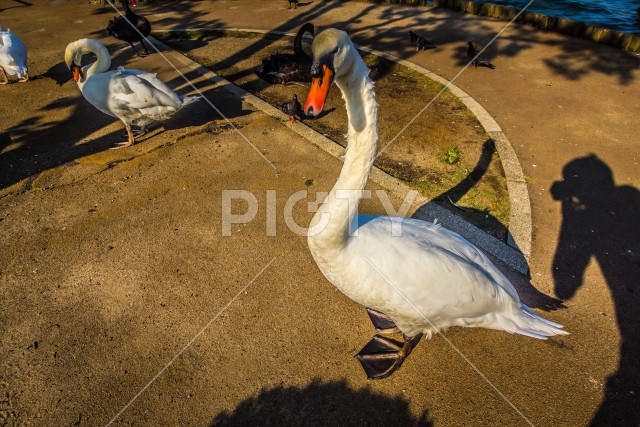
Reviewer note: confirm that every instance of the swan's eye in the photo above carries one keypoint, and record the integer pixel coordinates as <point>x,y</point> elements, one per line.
<point>335,51</point>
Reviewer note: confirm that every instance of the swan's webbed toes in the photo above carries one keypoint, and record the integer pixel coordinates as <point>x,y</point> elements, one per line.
<point>122,144</point>
<point>382,356</point>
<point>140,132</point>
<point>136,133</point>
<point>382,322</point>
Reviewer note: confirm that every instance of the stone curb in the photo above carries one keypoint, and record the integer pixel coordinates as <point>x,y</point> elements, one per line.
<point>510,254</point>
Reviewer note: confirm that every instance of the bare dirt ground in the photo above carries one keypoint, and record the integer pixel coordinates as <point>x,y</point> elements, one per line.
<point>475,182</point>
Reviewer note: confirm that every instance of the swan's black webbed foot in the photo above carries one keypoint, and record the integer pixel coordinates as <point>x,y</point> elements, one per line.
<point>383,323</point>
<point>382,356</point>
<point>146,49</point>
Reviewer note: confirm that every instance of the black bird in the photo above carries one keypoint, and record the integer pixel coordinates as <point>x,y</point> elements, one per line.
<point>294,3</point>
<point>119,28</point>
<point>479,61</point>
<point>420,42</point>
<point>293,109</point>
<point>285,68</point>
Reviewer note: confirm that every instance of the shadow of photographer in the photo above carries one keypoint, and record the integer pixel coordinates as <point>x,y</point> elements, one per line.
<point>600,220</point>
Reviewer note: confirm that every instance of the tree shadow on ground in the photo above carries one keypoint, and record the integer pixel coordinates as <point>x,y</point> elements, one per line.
<point>600,221</point>
<point>50,137</point>
<point>321,404</point>
<point>18,3</point>
<point>187,14</point>
<point>444,27</point>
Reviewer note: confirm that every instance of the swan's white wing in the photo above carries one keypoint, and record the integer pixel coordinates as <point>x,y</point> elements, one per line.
<point>131,95</point>
<point>154,81</point>
<point>447,279</point>
<point>135,90</point>
<point>13,54</point>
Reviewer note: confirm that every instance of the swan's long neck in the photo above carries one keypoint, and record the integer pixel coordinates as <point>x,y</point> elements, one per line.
<point>101,65</point>
<point>126,7</point>
<point>342,202</point>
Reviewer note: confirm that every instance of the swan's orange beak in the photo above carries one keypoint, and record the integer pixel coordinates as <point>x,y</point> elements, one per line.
<point>77,72</point>
<point>318,93</point>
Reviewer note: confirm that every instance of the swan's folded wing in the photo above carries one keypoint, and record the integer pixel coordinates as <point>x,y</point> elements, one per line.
<point>128,91</point>
<point>154,81</point>
<point>13,52</point>
<point>425,255</point>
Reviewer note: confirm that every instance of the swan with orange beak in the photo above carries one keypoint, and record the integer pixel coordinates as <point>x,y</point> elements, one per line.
<point>416,278</point>
<point>136,97</point>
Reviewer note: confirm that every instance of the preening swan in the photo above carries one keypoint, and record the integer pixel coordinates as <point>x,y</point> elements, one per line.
<point>13,57</point>
<point>134,96</point>
<point>414,277</point>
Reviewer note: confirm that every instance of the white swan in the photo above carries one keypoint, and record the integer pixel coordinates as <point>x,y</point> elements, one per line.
<point>419,282</point>
<point>134,96</point>
<point>13,56</point>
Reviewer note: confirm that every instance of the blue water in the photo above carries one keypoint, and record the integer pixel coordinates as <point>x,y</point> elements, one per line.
<point>621,15</point>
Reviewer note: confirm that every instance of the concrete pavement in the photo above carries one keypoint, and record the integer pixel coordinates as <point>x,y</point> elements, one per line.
<point>111,264</point>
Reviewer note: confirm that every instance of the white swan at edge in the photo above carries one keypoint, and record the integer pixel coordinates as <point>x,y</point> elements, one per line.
<point>13,56</point>
<point>134,96</point>
<point>421,282</point>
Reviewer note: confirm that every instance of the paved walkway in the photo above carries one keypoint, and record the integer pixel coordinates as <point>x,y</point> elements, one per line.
<point>109,265</point>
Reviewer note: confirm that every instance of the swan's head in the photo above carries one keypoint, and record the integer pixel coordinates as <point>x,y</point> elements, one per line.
<point>334,57</point>
<point>76,50</point>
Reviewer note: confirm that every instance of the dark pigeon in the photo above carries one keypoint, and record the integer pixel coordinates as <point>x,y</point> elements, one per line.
<point>293,109</point>
<point>420,42</point>
<point>478,61</point>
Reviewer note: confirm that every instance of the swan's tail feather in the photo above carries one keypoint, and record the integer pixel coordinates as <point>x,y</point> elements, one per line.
<point>528,323</point>
<point>533,314</point>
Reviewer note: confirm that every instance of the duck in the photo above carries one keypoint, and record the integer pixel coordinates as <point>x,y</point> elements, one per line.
<point>420,42</point>
<point>415,278</point>
<point>13,57</point>
<point>135,97</point>
<point>287,68</point>
<point>477,60</point>
<point>121,28</point>
<point>294,3</point>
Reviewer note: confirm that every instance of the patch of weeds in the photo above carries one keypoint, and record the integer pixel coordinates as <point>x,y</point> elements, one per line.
<point>278,119</point>
<point>452,155</point>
